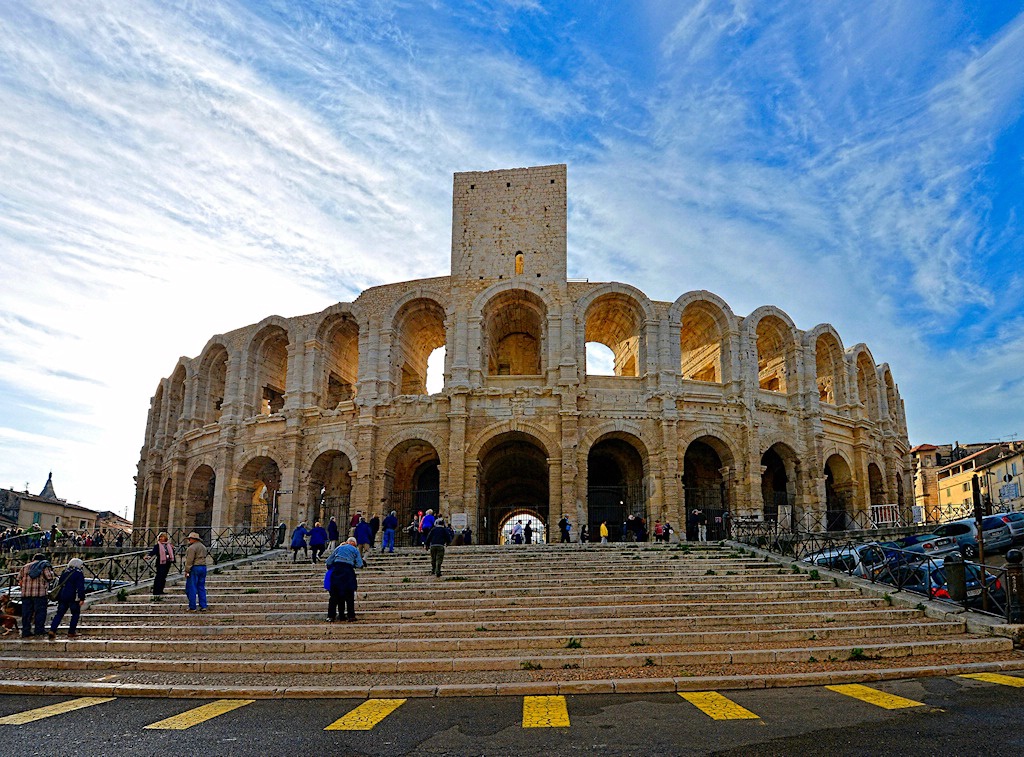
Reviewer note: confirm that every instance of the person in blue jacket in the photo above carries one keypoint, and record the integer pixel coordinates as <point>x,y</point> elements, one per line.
<point>71,597</point>
<point>317,541</point>
<point>390,525</point>
<point>342,564</point>
<point>299,541</point>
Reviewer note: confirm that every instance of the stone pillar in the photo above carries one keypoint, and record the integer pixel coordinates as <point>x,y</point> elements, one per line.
<point>363,489</point>
<point>555,502</point>
<point>457,418</point>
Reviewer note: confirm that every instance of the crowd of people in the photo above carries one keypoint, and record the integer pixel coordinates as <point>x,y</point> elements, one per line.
<point>14,538</point>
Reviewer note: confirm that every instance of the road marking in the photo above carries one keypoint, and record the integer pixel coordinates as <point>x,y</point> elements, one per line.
<point>716,706</point>
<point>199,715</point>
<point>874,696</point>
<point>30,716</point>
<point>366,716</point>
<point>545,712</point>
<point>996,678</point>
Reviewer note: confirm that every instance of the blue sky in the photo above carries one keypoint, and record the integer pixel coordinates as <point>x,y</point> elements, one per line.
<point>169,171</point>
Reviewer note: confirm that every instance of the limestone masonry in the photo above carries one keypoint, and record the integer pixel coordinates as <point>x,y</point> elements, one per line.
<point>300,418</point>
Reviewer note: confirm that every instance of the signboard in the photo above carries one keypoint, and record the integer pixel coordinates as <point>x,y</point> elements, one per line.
<point>459,521</point>
<point>1009,491</point>
<point>918,513</point>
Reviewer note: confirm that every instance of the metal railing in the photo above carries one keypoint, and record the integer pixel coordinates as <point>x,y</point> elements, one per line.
<point>884,563</point>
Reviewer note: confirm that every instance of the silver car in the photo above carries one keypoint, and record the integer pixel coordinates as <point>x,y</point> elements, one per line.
<point>965,531</point>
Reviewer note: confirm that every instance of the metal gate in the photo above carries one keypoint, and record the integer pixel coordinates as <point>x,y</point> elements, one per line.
<point>614,505</point>
<point>407,503</point>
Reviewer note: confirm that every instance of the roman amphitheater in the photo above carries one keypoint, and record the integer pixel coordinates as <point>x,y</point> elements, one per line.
<point>744,417</point>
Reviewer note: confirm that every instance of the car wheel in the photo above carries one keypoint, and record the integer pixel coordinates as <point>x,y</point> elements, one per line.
<point>969,551</point>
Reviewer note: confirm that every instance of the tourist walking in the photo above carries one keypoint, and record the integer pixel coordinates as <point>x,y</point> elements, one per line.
<point>437,539</point>
<point>563,527</point>
<point>604,532</point>
<point>163,551</point>
<point>282,531</point>
<point>71,596</point>
<point>390,527</point>
<point>332,533</point>
<point>299,541</point>
<point>584,534</point>
<point>528,533</point>
<point>517,532</point>
<point>34,581</point>
<point>363,536</point>
<point>467,536</point>
<point>195,572</point>
<point>342,564</point>
<point>374,530</point>
<point>317,542</point>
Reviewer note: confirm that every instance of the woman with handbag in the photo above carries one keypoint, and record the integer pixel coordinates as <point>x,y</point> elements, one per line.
<point>163,551</point>
<point>70,594</point>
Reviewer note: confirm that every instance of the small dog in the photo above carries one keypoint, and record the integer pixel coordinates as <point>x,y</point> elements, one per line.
<point>10,614</point>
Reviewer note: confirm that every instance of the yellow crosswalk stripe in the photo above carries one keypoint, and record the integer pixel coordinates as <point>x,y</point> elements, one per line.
<point>874,696</point>
<point>30,716</point>
<point>366,716</point>
<point>716,706</point>
<point>545,712</point>
<point>996,678</point>
<point>199,715</point>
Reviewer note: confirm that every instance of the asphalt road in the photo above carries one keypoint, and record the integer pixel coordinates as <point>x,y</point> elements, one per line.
<point>958,717</point>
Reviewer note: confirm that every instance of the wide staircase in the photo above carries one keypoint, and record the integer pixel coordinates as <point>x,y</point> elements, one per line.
<point>501,620</point>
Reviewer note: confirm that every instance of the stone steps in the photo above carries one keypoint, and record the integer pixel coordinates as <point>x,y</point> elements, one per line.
<point>539,615</point>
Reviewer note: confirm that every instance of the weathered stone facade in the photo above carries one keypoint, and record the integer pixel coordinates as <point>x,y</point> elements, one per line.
<point>324,412</point>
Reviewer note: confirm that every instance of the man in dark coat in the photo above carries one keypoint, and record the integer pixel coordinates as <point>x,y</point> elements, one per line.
<point>528,533</point>
<point>332,532</point>
<point>437,539</point>
<point>342,563</point>
<point>374,529</point>
<point>563,526</point>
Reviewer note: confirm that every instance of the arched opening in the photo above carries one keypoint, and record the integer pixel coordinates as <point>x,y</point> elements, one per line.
<point>519,264</point>
<point>435,370</point>
<point>616,320</point>
<point>330,489</point>
<point>838,494</point>
<point>256,494</point>
<point>341,361</point>
<point>867,385</point>
<point>163,515</point>
<point>419,331</point>
<point>704,487</point>
<point>412,480</point>
<point>828,362</point>
<point>534,527</point>
<point>600,360</point>
<point>177,402</point>
<point>615,486</point>
<point>268,367</point>
<point>701,341</point>
<point>199,501</point>
<point>513,483</point>
<point>890,397</point>
<point>775,487</point>
<point>876,485</point>
<point>155,416</point>
<point>774,350</point>
<point>213,379</point>
<point>515,326</point>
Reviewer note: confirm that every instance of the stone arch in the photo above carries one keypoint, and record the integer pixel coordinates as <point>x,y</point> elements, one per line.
<point>156,414</point>
<point>267,362</point>
<point>176,399</point>
<point>199,496</point>
<point>339,445</point>
<point>163,515</point>
<point>419,327</point>
<point>723,442</point>
<point>780,471</point>
<point>514,336</point>
<point>512,477</point>
<point>547,441</point>
<point>891,392</point>
<point>839,492</point>
<point>615,319</point>
<point>706,324</point>
<point>255,487</point>
<point>338,336</point>
<point>867,380</point>
<point>617,466</point>
<point>213,381</point>
<point>774,337</point>
<point>328,487</point>
<point>412,475</point>
<point>876,485</point>
<point>705,484</point>
<point>829,365</point>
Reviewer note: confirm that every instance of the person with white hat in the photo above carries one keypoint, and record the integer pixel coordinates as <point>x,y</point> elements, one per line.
<point>195,572</point>
<point>70,596</point>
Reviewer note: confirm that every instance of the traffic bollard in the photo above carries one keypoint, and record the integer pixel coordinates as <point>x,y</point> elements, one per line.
<point>1014,586</point>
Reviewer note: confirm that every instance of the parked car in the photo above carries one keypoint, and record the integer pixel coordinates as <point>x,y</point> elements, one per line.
<point>1015,522</point>
<point>929,578</point>
<point>860,560</point>
<point>965,531</point>
<point>929,545</point>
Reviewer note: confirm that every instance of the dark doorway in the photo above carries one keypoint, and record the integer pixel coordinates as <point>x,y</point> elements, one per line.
<point>704,490</point>
<point>615,489</point>
<point>513,478</point>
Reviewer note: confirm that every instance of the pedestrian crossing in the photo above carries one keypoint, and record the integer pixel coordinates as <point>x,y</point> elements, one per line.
<point>538,711</point>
